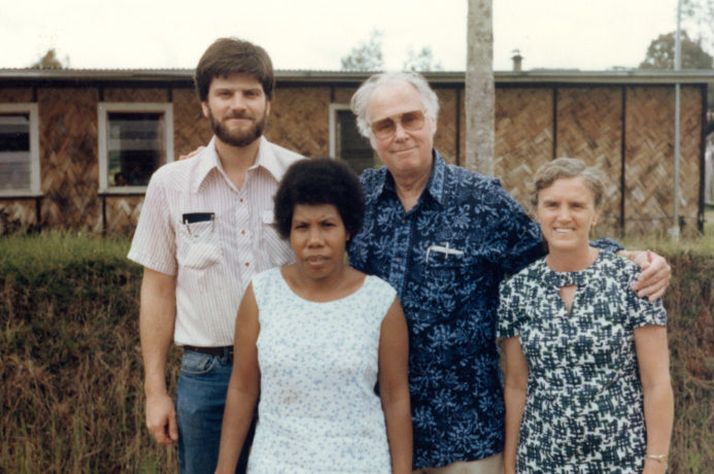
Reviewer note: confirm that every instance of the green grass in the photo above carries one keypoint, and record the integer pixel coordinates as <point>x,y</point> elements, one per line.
<point>701,245</point>
<point>42,252</point>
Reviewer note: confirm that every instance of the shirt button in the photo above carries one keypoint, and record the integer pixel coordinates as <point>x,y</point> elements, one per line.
<point>241,199</point>
<point>247,264</point>
<point>242,232</point>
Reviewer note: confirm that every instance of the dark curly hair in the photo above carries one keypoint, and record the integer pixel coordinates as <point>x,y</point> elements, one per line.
<point>319,181</point>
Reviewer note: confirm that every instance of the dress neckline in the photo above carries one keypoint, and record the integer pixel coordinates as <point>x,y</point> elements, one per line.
<point>285,283</point>
<point>575,278</point>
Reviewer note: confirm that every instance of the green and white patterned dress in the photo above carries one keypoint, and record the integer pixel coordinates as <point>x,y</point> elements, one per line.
<point>584,408</point>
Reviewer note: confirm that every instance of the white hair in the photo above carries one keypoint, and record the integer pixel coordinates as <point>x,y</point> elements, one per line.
<point>361,98</point>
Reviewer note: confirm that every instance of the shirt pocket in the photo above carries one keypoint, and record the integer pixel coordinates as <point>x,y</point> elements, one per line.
<point>445,284</point>
<point>198,245</point>
<point>277,251</point>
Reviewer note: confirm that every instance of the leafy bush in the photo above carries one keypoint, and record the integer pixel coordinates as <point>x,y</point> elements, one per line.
<point>71,393</point>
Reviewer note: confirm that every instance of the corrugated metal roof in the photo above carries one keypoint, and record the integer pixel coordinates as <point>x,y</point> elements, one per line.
<point>307,76</point>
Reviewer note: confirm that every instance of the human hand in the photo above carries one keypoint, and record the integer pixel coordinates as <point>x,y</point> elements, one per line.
<point>161,418</point>
<point>655,275</point>
<point>191,154</point>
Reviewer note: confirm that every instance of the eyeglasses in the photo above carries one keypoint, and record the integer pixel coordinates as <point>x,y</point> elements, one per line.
<point>387,127</point>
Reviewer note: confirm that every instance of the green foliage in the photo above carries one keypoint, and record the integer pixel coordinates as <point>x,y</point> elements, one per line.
<point>660,53</point>
<point>421,61</point>
<point>70,365</point>
<point>49,61</point>
<point>690,305</point>
<point>698,16</point>
<point>71,393</point>
<point>366,56</point>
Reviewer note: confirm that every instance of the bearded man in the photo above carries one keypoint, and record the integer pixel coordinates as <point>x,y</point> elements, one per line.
<point>205,229</point>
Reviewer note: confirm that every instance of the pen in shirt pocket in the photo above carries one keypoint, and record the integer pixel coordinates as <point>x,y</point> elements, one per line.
<point>194,217</point>
<point>443,249</point>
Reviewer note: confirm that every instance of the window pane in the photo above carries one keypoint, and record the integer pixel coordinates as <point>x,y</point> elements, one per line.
<point>351,146</point>
<point>14,152</point>
<point>136,147</point>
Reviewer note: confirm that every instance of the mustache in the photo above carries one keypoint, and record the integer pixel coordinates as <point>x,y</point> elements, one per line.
<point>239,115</point>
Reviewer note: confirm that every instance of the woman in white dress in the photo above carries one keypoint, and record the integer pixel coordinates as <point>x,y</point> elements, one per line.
<point>313,339</point>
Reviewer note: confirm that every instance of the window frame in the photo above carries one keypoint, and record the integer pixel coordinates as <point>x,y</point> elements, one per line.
<point>103,110</point>
<point>334,108</point>
<point>30,108</point>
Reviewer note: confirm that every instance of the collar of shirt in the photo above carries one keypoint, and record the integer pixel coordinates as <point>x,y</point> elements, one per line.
<point>434,188</point>
<point>209,161</point>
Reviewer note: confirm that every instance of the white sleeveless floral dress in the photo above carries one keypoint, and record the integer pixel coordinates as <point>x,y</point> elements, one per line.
<point>318,410</point>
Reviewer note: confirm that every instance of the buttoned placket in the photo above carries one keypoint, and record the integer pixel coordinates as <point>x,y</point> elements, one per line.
<point>400,261</point>
<point>244,237</point>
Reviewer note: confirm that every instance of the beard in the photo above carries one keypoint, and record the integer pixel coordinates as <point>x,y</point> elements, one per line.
<point>238,138</point>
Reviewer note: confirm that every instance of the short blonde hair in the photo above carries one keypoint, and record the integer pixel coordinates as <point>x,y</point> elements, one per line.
<point>568,168</point>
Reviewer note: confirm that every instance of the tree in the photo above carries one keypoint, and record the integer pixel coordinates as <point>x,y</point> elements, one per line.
<point>366,56</point>
<point>660,53</point>
<point>422,60</point>
<point>49,61</point>
<point>480,89</point>
<point>698,16</point>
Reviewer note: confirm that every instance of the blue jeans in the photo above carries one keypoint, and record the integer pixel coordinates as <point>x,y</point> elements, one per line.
<point>200,400</point>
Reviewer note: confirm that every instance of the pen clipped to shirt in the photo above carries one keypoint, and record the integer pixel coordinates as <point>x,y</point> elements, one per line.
<point>444,250</point>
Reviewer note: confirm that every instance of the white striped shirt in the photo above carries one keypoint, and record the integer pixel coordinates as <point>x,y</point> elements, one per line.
<point>215,258</point>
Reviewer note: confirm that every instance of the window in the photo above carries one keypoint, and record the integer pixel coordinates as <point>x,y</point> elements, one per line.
<point>19,150</point>
<point>346,143</point>
<point>134,140</point>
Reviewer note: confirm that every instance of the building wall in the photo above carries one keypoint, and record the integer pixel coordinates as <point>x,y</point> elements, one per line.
<point>299,120</point>
<point>589,127</point>
<point>612,126</point>
<point>649,167</point>
<point>69,168</point>
<point>524,136</point>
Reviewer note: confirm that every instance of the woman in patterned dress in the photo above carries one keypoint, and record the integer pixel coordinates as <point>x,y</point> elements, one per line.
<point>587,385</point>
<point>313,338</point>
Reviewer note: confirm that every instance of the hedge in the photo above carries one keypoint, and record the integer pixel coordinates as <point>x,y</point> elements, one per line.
<point>71,393</point>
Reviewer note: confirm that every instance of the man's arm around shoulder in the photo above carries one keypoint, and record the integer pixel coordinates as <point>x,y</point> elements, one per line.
<point>157,317</point>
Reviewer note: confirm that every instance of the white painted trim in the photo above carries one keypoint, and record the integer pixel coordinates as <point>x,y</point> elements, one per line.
<point>103,110</point>
<point>31,108</point>
<point>334,108</point>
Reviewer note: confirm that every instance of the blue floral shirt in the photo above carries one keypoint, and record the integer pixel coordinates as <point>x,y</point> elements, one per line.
<point>446,258</point>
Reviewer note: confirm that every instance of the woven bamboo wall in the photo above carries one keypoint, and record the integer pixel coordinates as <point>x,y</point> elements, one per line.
<point>589,128</point>
<point>690,166</point>
<point>524,137</point>
<point>122,214</point>
<point>299,120</point>
<point>15,94</point>
<point>343,95</point>
<point>125,94</point>
<point>68,158</point>
<point>17,215</point>
<point>649,158</point>
<point>445,139</point>
<point>191,128</point>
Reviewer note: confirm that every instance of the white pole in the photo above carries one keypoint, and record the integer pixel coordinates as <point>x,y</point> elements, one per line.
<point>674,231</point>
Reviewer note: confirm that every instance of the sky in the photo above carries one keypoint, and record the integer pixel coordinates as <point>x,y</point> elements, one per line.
<point>315,34</point>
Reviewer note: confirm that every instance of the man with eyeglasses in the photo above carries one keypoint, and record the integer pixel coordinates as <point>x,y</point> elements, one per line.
<point>445,237</point>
